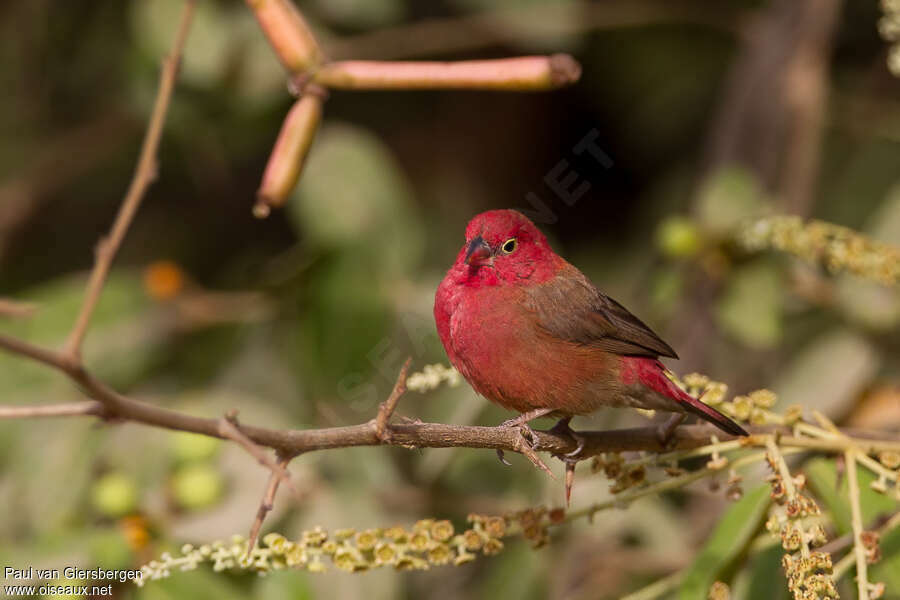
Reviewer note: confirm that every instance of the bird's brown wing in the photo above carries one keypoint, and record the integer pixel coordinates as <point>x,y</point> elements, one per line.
<point>570,307</point>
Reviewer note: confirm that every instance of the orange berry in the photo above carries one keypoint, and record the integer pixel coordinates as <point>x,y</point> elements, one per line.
<point>163,280</point>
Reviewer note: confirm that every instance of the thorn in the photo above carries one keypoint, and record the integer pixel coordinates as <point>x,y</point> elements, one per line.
<point>570,479</point>
<point>503,458</point>
<point>524,446</point>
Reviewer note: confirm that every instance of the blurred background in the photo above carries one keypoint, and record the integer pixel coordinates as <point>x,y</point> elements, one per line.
<point>709,112</point>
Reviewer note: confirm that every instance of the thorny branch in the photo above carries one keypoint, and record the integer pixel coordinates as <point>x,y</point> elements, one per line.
<point>268,500</point>
<point>111,404</point>
<point>228,428</point>
<point>386,409</point>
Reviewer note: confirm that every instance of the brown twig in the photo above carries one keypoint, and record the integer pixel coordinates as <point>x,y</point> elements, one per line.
<point>72,409</point>
<point>228,429</point>
<point>17,310</point>
<point>424,435</point>
<point>386,408</point>
<point>267,502</point>
<point>42,355</point>
<point>144,174</point>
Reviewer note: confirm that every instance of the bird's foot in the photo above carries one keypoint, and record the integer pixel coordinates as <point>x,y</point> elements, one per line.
<point>562,428</point>
<point>664,432</point>
<point>525,441</point>
<point>521,423</point>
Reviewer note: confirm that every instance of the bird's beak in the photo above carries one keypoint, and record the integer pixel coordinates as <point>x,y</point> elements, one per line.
<point>479,253</point>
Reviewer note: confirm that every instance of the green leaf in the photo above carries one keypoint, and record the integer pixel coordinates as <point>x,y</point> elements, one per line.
<point>284,585</point>
<point>766,578</point>
<point>750,309</point>
<point>354,195</point>
<point>888,568</point>
<point>729,196</point>
<point>728,540</point>
<point>822,475</point>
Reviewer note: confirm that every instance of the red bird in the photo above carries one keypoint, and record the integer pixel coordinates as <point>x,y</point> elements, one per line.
<point>531,333</point>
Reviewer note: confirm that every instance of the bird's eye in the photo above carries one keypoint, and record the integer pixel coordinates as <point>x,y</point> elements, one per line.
<point>509,246</point>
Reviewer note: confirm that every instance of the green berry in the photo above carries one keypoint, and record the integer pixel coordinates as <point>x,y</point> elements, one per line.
<point>678,237</point>
<point>114,495</point>
<point>197,486</point>
<point>189,447</point>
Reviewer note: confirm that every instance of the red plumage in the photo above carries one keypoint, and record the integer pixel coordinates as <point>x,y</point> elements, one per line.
<point>529,331</point>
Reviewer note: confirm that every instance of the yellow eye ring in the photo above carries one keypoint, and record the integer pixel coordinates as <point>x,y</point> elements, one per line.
<point>509,246</point>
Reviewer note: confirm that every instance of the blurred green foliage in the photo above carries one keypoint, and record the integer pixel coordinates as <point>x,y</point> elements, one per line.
<point>342,281</point>
<point>728,540</point>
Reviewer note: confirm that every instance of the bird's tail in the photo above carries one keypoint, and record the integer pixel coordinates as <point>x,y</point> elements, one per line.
<point>701,409</point>
<point>654,375</point>
<point>708,413</point>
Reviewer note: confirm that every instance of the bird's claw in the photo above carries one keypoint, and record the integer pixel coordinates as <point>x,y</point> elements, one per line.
<point>562,428</point>
<point>519,422</point>
<point>524,443</point>
<point>525,431</point>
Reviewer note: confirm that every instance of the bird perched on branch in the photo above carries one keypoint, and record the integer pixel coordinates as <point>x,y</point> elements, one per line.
<point>531,333</point>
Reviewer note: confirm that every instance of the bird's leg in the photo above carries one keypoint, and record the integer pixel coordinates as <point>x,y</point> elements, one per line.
<point>524,418</point>
<point>521,422</point>
<point>562,428</point>
<point>664,432</point>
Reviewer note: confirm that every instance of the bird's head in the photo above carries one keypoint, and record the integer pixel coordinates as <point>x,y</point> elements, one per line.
<point>504,246</point>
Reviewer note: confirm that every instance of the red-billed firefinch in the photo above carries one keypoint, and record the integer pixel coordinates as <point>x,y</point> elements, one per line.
<point>530,332</point>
